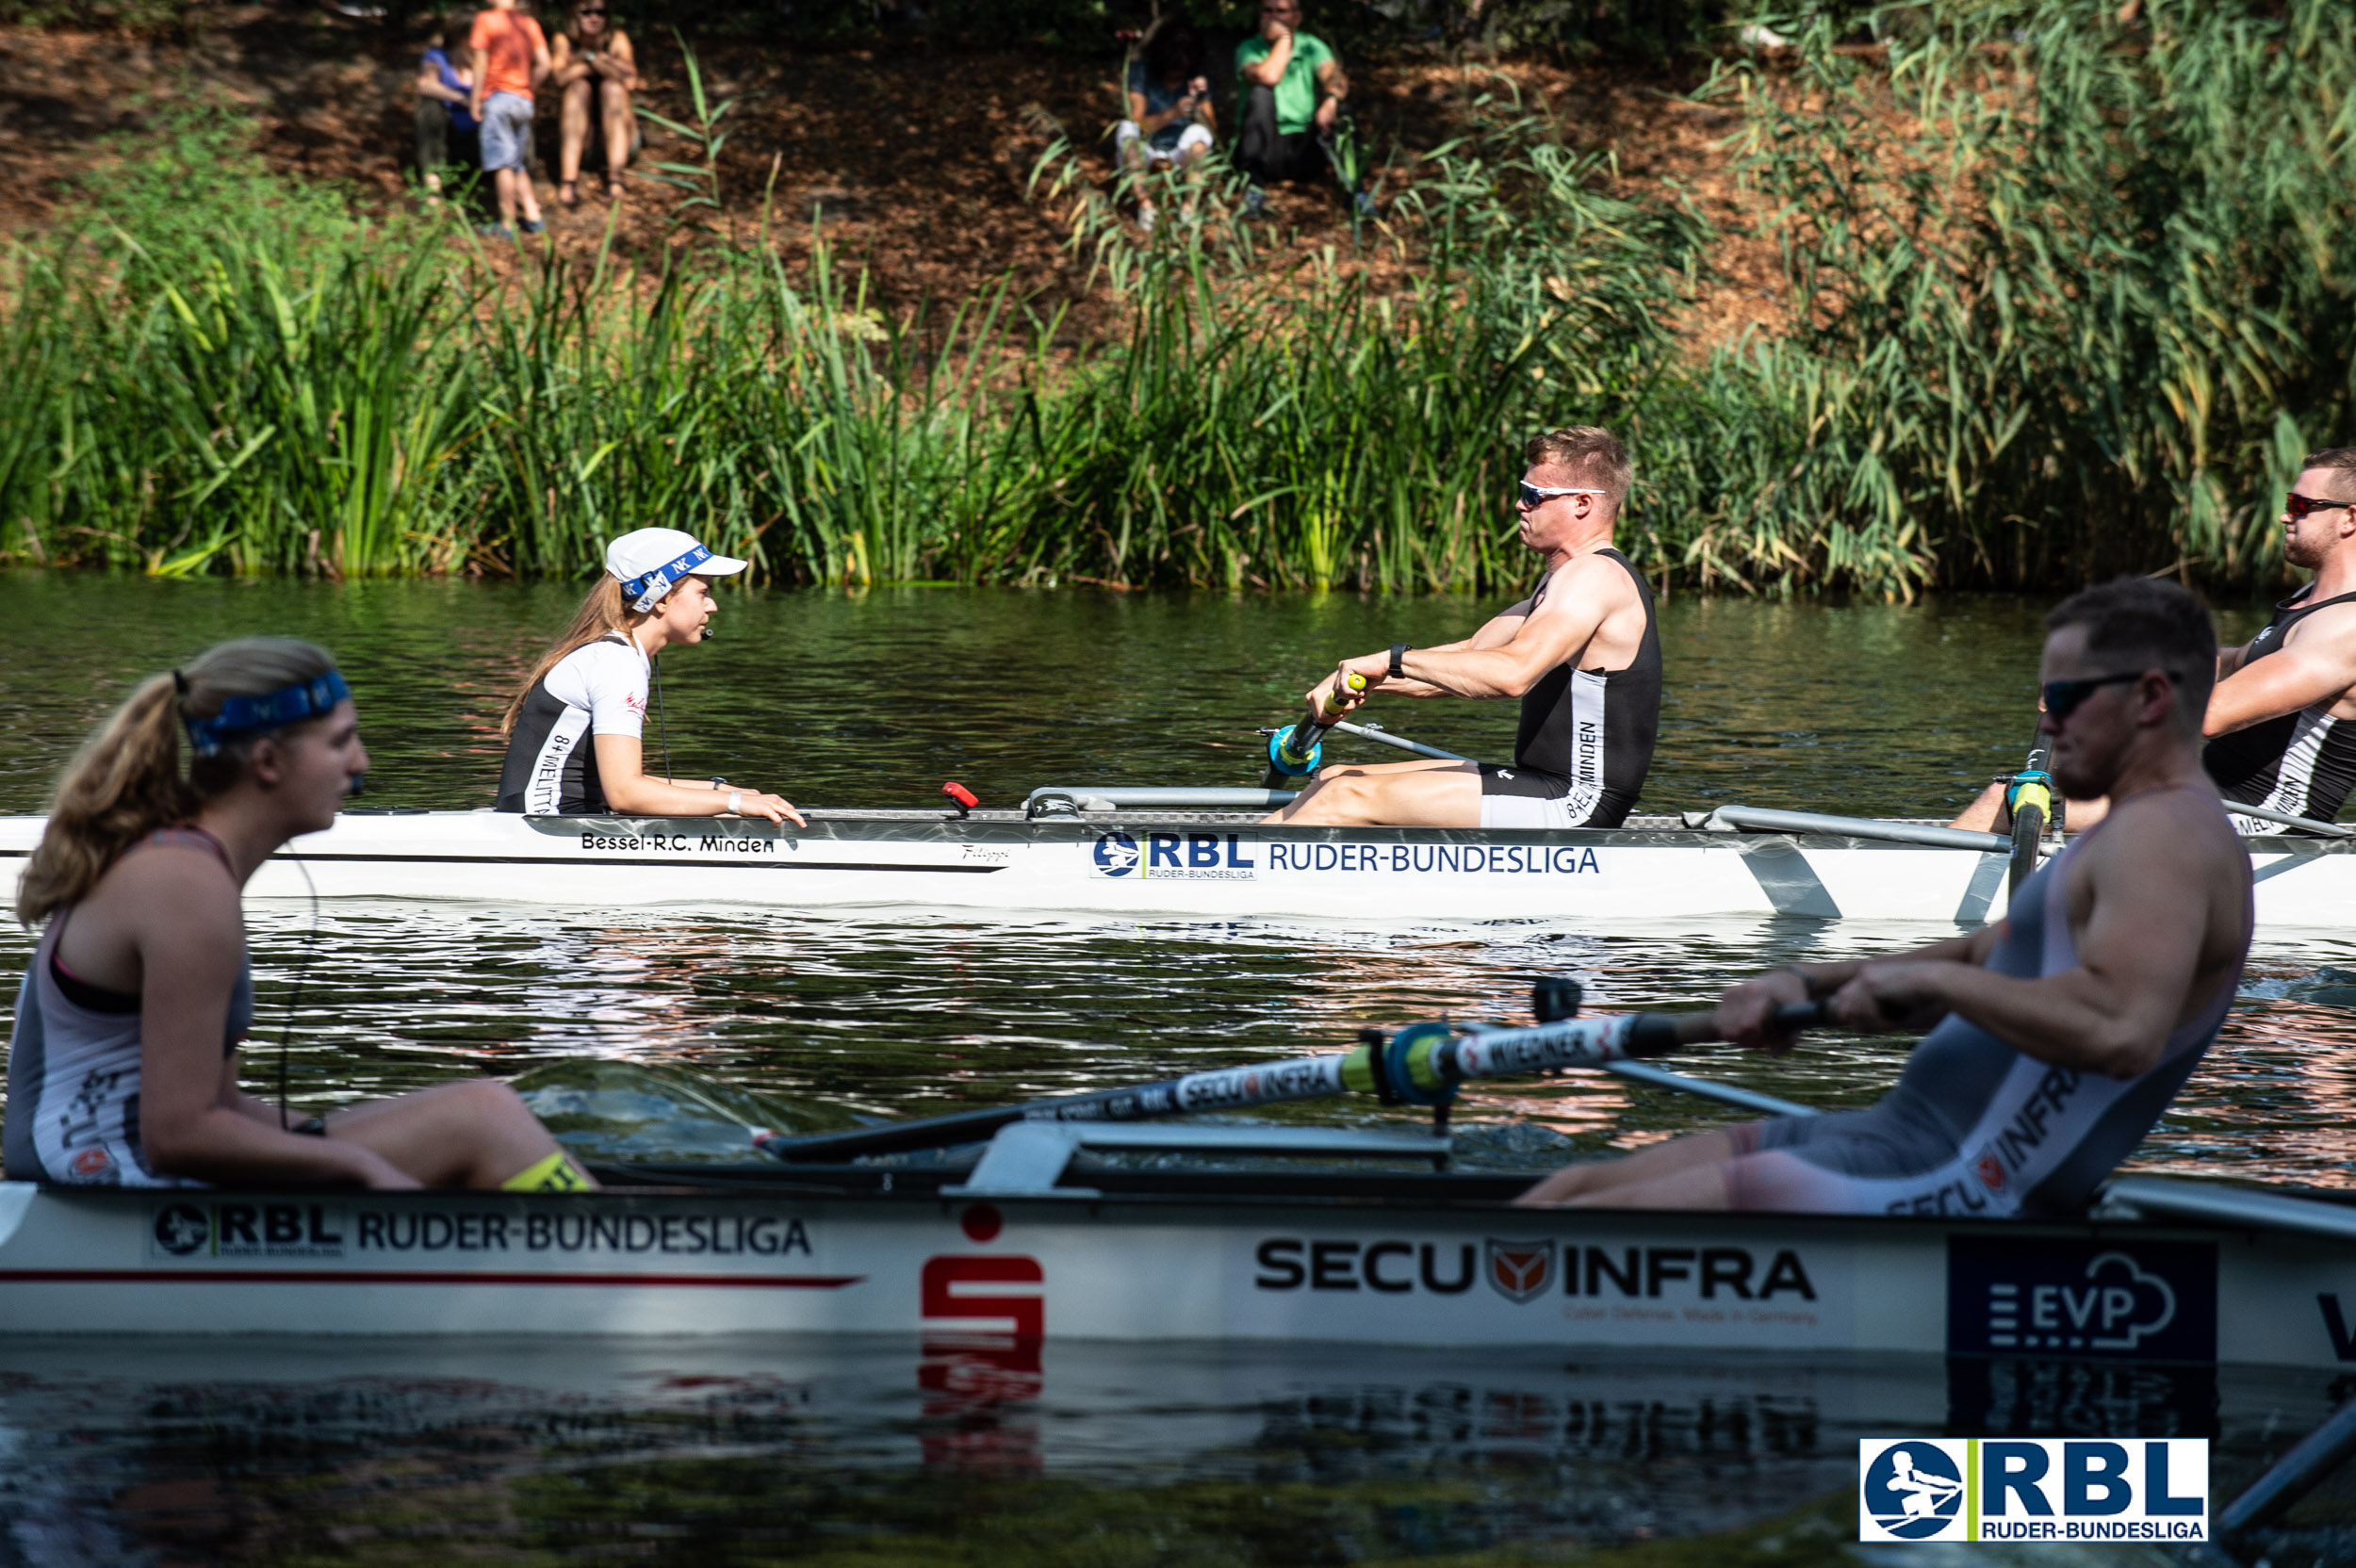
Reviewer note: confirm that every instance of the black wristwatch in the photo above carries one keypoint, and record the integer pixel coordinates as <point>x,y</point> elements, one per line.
<point>1399,651</point>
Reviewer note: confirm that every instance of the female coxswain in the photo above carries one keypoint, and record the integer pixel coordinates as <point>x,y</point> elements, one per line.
<point>656,593</point>
<point>123,1067</point>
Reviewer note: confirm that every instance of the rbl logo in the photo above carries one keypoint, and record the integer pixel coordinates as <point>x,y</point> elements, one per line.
<point>2033,1489</point>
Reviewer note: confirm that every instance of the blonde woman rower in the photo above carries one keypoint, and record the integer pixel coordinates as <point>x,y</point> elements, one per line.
<point>123,1067</point>
<point>656,593</point>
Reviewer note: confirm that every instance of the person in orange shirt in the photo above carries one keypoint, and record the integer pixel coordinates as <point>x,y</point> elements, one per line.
<point>511,57</point>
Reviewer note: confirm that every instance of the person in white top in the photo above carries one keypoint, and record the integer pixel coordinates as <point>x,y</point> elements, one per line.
<point>656,593</point>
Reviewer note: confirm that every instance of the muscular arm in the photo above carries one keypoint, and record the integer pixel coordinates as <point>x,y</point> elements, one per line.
<point>2314,668</point>
<point>1546,636</point>
<point>622,775</point>
<point>478,68</point>
<point>1331,82</point>
<point>2139,955</point>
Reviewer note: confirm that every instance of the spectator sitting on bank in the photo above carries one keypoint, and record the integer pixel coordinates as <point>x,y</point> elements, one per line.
<point>596,69</point>
<point>446,132</point>
<point>1292,90</point>
<point>1170,123</point>
<point>510,59</point>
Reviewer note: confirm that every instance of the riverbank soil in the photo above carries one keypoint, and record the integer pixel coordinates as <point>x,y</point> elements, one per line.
<point>916,164</point>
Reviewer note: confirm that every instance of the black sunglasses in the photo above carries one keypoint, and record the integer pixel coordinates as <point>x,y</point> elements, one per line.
<point>2296,506</point>
<point>2064,697</point>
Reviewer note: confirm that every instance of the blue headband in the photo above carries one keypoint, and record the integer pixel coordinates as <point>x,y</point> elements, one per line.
<point>276,710</point>
<point>646,592</point>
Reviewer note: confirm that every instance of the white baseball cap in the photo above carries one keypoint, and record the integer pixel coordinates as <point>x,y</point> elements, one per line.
<point>650,561</point>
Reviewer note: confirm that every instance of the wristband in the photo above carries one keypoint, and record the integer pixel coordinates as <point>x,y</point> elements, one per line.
<point>736,802</point>
<point>1807,987</point>
<point>1399,651</point>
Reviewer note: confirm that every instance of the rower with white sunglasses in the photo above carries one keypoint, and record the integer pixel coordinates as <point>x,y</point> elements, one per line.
<point>1582,652</point>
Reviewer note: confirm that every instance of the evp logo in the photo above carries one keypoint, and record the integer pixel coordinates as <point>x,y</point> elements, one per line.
<point>2033,1489</point>
<point>2140,1300</point>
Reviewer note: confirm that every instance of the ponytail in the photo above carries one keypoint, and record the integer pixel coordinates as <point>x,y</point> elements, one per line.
<point>126,781</point>
<point>602,615</point>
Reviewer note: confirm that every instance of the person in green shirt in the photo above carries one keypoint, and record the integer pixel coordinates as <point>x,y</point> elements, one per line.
<point>1292,88</point>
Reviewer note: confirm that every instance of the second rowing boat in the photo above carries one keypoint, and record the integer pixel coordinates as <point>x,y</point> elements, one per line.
<point>1192,852</point>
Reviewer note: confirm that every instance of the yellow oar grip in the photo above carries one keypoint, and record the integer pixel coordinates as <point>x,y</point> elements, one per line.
<point>556,1173</point>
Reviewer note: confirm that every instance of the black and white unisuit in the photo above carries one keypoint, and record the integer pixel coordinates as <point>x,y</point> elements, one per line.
<point>2302,763</point>
<point>1586,738</point>
<point>551,766</point>
<point>73,1064</point>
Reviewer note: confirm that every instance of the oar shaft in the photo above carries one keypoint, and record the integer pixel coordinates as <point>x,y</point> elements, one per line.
<point>1383,736</point>
<point>1440,1061</point>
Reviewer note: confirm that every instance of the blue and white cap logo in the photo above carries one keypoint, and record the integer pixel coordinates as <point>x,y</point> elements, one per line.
<point>644,593</point>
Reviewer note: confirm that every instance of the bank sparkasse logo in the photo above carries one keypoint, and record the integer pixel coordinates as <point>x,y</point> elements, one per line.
<point>1116,854</point>
<point>1912,1490</point>
<point>1519,1270</point>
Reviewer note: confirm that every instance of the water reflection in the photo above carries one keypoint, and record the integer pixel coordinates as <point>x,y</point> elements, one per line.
<point>709,1450</point>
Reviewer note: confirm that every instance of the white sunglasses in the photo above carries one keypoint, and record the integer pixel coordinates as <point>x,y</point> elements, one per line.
<point>1536,495</point>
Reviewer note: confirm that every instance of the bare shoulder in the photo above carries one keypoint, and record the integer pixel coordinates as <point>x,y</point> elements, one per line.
<point>2173,833</point>
<point>167,882</point>
<point>2333,625</point>
<point>1590,581</point>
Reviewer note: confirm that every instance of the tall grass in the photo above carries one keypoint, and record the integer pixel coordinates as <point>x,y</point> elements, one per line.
<point>2070,295</point>
<point>2066,297</point>
<point>350,399</point>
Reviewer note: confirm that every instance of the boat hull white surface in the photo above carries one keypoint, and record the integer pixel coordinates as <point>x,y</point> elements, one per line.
<point>1220,866</point>
<point>1161,1268</point>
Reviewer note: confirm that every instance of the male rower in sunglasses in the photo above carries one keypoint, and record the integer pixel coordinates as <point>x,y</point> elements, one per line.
<point>2056,1036</point>
<point>1582,653</point>
<point>2281,723</point>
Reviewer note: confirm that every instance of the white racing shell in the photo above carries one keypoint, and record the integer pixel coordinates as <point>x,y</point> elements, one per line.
<point>1211,865</point>
<point>1165,1267</point>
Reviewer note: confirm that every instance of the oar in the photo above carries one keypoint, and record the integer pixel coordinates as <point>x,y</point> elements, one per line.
<point>2032,808</point>
<point>1377,733</point>
<point>1421,1065</point>
<point>1292,753</point>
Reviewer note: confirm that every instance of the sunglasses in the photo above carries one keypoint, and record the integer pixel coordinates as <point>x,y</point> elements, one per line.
<point>1538,494</point>
<point>2295,506</point>
<point>2064,697</point>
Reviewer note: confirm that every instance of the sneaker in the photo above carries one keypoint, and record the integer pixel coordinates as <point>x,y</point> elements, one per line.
<point>1361,204</point>
<point>532,225</point>
<point>495,230</point>
<point>1255,202</point>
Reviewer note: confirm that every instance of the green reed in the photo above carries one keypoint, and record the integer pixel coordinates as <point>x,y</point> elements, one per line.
<point>280,394</point>
<point>2071,296</point>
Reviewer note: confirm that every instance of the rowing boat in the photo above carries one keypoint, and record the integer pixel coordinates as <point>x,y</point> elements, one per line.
<point>1189,1231</point>
<point>1187,853</point>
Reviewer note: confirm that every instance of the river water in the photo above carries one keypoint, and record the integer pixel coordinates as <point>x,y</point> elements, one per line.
<point>827,1452</point>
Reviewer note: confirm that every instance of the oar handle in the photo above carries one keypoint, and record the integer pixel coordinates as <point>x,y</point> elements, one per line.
<point>1298,744</point>
<point>1702,1028</point>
